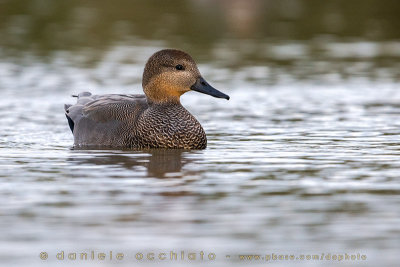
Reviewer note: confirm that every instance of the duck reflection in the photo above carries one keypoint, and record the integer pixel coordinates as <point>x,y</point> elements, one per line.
<point>159,163</point>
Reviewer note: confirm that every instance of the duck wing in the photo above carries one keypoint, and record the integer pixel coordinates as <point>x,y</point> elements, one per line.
<point>104,108</point>
<point>97,119</point>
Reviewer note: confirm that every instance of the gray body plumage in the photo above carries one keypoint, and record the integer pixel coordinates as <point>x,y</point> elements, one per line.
<point>130,121</point>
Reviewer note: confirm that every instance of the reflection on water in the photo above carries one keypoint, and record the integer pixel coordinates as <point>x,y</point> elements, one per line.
<point>158,163</point>
<point>304,158</point>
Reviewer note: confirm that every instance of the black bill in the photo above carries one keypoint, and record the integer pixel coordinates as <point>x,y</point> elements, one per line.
<point>203,87</point>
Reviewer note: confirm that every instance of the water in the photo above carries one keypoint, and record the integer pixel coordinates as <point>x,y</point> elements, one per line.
<point>303,160</point>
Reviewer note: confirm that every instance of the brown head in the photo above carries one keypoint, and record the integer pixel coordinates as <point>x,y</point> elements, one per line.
<point>170,73</point>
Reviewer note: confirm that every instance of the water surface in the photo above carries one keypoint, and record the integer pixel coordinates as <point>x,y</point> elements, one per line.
<point>304,158</point>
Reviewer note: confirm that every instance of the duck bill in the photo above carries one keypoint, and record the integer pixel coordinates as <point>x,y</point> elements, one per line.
<point>203,87</point>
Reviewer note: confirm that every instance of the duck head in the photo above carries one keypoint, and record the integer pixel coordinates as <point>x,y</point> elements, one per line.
<point>170,73</point>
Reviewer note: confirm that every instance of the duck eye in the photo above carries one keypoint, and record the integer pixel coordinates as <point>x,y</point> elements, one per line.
<point>179,67</point>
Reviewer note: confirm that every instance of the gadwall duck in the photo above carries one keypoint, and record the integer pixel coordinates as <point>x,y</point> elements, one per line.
<point>154,120</point>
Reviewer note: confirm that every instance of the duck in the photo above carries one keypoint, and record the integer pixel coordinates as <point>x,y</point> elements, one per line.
<point>153,120</point>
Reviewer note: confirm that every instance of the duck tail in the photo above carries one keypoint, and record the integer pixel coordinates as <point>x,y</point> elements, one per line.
<point>70,121</point>
<point>66,107</point>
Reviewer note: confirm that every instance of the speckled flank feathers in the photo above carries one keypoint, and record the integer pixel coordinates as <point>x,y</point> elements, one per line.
<point>154,120</point>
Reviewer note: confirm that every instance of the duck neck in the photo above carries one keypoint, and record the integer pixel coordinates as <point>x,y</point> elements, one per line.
<point>159,92</point>
<point>165,101</point>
